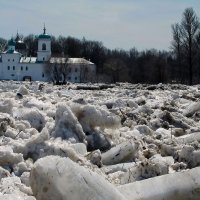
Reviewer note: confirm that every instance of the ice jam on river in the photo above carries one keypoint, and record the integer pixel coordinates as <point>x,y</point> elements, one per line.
<point>99,142</point>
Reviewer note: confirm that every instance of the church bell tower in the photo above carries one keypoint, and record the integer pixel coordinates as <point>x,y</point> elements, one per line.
<point>44,47</point>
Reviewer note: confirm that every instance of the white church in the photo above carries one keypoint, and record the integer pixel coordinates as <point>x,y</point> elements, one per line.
<point>14,65</point>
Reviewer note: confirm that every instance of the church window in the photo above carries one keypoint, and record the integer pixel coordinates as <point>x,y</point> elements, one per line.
<point>44,47</point>
<point>21,68</point>
<point>26,68</point>
<point>8,67</point>
<point>13,67</point>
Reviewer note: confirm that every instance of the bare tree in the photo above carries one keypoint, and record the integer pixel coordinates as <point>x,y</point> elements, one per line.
<point>87,73</point>
<point>56,69</point>
<point>32,45</point>
<point>117,68</point>
<point>64,69</point>
<point>52,71</point>
<point>83,73</point>
<point>3,43</point>
<point>189,30</point>
<point>177,49</point>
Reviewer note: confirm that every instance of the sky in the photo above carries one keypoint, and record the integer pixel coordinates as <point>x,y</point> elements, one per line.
<point>143,24</point>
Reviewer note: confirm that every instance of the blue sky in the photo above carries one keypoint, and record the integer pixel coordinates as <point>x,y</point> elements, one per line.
<point>143,24</point>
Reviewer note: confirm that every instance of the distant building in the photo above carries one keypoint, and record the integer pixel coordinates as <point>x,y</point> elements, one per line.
<point>77,69</point>
<point>15,65</point>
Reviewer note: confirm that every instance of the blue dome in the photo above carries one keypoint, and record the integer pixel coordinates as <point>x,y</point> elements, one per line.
<point>44,36</point>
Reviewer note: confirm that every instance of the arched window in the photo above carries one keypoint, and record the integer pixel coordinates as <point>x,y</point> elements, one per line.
<point>44,47</point>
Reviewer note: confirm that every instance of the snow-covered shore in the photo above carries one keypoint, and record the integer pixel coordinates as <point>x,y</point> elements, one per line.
<point>68,142</point>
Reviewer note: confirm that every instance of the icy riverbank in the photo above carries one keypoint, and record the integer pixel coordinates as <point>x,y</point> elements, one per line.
<point>114,142</point>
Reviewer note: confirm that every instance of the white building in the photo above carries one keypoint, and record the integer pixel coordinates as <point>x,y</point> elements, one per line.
<point>16,66</point>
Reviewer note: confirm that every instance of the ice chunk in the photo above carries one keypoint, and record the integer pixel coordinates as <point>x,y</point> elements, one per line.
<point>67,125</point>
<point>143,129</point>
<point>7,157</point>
<point>13,185</point>
<point>35,103</point>
<point>64,149</point>
<point>32,146</point>
<point>60,178</point>
<point>20,168</point>
<point>23,90</point>
<point>189,138</point>
<point>97,140</point>
<point>5,121</point>
<point>90,117</point>
<point>190,110</point>
<point>25,178</point>
<point>120,153</point>
<point>95,158</point>
<point>177,186</point>
<point>15,197</point>
<point>4,173</point>
<point>35,117</point>
<point>6,106</point>
<point>155,166</point>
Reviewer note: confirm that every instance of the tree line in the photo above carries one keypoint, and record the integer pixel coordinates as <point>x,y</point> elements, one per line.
<point>181,64</point>
<point>186,47</point>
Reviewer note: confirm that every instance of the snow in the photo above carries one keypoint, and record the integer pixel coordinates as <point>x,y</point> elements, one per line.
<point>122,134</point>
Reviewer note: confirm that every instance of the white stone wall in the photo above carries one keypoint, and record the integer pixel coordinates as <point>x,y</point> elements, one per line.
<point>74,73</point>
<point>77,73</point>
<point>34,70</point>
<point>20,70</point>
<point>9,65</point>
<point>10,58</point>
<point>17,70</point>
